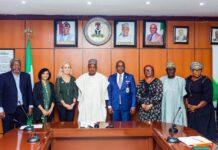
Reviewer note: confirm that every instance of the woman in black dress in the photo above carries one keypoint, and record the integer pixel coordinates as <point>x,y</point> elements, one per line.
<point>149,96</point>
<point>199,104</point>
<point>43,98</point>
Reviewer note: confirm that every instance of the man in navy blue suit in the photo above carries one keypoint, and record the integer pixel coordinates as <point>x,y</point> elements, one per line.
<point>122,94</point>
<point>15,96</point>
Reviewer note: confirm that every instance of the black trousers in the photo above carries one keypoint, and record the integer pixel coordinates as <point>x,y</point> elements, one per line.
<point>64,114</point>
<point>9,123</point>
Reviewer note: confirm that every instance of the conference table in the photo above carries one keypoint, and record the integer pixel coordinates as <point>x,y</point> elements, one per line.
<point>131,135</point>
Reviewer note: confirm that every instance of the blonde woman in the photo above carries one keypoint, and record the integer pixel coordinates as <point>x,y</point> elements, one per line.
<point>67,93</point>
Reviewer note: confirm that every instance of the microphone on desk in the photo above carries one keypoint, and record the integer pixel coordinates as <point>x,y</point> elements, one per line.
<point>173,130</point>
<point>28,127</point>
<point>34,138</point>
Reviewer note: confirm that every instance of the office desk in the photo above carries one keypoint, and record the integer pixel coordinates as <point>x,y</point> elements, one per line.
<point>124,136</point>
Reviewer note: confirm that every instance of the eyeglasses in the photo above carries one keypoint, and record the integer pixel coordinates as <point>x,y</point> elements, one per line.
<point>197,70</point>
<point>148,70</point>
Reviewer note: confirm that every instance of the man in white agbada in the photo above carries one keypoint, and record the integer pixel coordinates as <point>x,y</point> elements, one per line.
<point>92,94</point>
<point>173,97</point>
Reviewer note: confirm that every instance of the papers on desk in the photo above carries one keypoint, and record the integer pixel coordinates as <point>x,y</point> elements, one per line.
<point>194,140</point>
<point>36,126</point>
<point>91,124</point>
<point>86,124</point>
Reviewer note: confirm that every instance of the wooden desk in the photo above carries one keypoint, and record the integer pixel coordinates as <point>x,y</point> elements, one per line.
<point>124,135</point>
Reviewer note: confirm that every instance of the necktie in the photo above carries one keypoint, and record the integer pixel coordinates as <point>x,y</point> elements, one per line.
<point>151,38</point>
<point>120,81</point>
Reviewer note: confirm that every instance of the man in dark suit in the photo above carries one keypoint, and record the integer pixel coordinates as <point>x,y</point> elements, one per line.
<point>122,94</point>
<point>15,96</point>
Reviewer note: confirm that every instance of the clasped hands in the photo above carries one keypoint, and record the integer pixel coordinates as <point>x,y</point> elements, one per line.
<point>69,106</point>
<point>192,108</point>
<point>147,107</point>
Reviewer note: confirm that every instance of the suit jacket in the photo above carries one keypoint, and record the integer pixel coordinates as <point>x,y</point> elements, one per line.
<point>38,99</point>
<point>156,38</point>
<point>8,91</point>
<point>128,99</point>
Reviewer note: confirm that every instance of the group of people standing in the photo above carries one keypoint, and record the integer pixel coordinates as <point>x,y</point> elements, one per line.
<point>157,99</point>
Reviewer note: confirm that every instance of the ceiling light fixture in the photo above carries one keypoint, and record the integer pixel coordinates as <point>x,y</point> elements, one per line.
<point>148,3</point>
<point>23,2</point>
<point>89,3</point>
<point>201,3</point>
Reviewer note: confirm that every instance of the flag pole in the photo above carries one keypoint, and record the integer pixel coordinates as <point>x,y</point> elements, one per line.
<point>28,64</point>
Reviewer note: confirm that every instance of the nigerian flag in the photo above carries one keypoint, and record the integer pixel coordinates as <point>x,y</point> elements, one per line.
<point>29,69</point>
<point>29,64</point>
<point>162,28</point>
<point>215,72</point>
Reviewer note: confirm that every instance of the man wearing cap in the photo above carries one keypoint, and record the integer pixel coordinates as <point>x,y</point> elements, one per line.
<point>125,38</point>
<point>173,97</point>
<point>92,94</point>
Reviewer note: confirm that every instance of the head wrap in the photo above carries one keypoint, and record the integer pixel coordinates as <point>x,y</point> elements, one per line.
<point>196,65</point>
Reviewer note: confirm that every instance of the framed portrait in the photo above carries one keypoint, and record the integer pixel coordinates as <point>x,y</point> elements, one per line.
<point>154,33</point>
<point>125,33</point>
<point>5,57</point>
<point>97,31</point>
<point>181,34</point>
<point>65,33</point>
<point>214,35</point>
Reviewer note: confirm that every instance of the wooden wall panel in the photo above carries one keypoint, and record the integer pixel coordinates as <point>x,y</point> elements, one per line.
<point>80,34</point>
<point>12,34</point>
<point>155,57</point>
<point>140,34</point>
<point>170,34</point>
<point>20,53</point>
<point>74,56</point>
<point>131,59</point>
<point>109,44</point>
<point>205,57</point>
<point>42,35</point>
<point>43,58</point>
<point>103,57</point>
<point>202,34</point>
<point>182,59</point>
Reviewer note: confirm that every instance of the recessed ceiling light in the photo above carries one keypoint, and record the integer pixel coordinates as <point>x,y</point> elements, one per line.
<point>148,3</point>
<point>89,3</point>
<point>201,4</point>
<point>23,2</point>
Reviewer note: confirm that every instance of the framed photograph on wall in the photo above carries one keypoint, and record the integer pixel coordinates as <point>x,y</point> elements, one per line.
<point>181,34</point>
<point>5,57</point>
<point>125,33</point>
<point>65,33</point>
<point>154,33</point>
<point>214,35</point>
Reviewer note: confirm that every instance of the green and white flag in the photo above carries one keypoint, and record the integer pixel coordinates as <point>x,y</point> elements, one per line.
<point>29,69</point>
<point>162,28</point>
<point>215,72</point>
<point>29,64</point>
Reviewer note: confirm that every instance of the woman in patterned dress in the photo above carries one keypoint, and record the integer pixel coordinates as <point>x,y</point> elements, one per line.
<point>149,96</point>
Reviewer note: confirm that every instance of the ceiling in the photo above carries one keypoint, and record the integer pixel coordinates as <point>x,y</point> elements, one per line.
<point>111,7</point>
